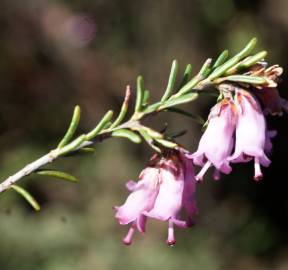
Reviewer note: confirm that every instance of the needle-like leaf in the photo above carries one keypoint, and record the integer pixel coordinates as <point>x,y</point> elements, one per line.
<point>27,196</point>
<point>171,81</point>
<point>72,128</point>
<point>57,174</point>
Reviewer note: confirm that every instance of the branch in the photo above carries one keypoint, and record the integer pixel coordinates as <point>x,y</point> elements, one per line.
<point>233,70</point>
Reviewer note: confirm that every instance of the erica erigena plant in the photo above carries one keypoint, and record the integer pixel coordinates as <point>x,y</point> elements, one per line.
<point>235,131</point>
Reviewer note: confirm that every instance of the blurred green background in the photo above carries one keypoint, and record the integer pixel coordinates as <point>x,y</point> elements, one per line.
<point>55,54</point>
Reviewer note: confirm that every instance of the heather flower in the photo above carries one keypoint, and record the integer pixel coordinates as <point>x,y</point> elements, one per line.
<point>142,198</point>
<point>217,141</point>
<point>164,188</point>
<point>250,133</point>
<point>188,199</point>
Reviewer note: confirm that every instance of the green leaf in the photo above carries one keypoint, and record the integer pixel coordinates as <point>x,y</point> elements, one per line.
<point>194,117</point>
<point>152,133</point>
<point>186,76</point>
<point>167,144</point>
<point>221,59</point>
<point>253,59</point>
<point>124,108</point>
<point>58,174</point>
<point>187,87</point>
<point>104,121</point>
<point>146,96</point>
<point>73,145</point>
<point>80,152</point>
<point>248,48</point>
<point>178,100</point>
<point>149,140</point>
<point>72,128</point>
<point>245,79</point>
<point>128,134</point>
<point>152,108</point>
<point>247,62</point>
<point>171,81</point>
<point>139,94</point>
<point>204,71</point>
<point>233,61</point>
<point>27,196</point>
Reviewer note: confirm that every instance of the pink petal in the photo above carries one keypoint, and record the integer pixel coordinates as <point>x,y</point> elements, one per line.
<point>169,200</point>
<point>142,198</point>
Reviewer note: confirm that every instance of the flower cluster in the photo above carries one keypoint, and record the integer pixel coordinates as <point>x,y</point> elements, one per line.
<point>236,132</point>
<point>237,129</point>
<point>238,124</point>
<point>165,187</point>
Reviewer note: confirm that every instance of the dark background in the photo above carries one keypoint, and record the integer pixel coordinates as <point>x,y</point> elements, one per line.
<point>55,54</point>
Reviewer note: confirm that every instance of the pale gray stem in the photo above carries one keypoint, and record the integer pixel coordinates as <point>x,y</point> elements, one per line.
<point>31,167</point>
<point>54,154</point>
<point>48,158</point>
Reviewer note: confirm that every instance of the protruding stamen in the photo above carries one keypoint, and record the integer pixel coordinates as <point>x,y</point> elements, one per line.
<point>199,176</point>
<point>127,240</point>
<point>171,239</point>
<point>216,175</point>
<point>257,170</point>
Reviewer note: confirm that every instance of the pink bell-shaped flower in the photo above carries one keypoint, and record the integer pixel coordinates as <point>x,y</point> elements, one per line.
<point>162,191</point>
<point>251,134</point>
<point>142,198</point>
<point>217,141</point>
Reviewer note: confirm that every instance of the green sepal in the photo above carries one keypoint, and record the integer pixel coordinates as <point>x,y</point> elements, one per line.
<point>128,134</point>
<point>27,196</point>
